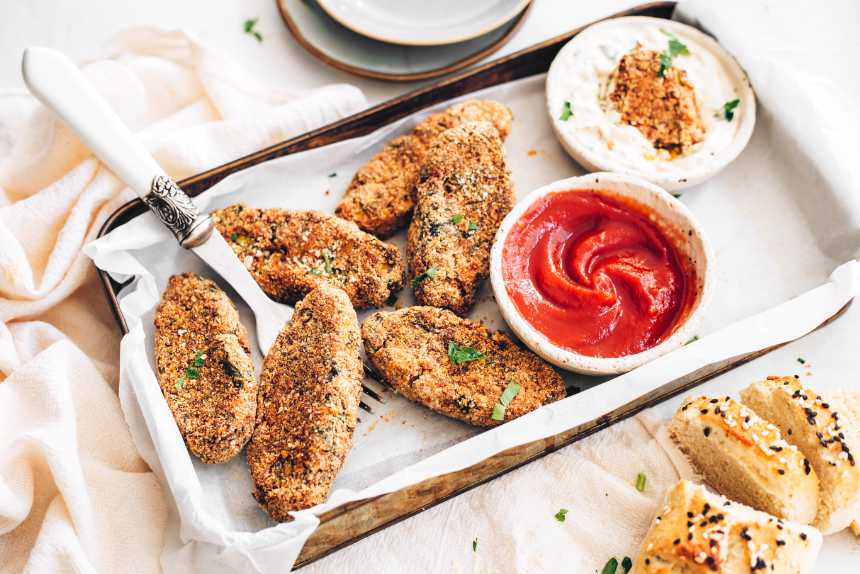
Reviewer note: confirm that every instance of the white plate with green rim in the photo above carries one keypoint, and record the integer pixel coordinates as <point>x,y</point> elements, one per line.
<point>344,49</point>
<point>422,23</point>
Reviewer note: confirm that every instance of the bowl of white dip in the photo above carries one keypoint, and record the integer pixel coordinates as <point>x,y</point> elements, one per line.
<point>652,98</point>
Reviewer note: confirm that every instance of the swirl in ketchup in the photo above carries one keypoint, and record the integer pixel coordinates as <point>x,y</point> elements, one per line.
<point>595,274</point>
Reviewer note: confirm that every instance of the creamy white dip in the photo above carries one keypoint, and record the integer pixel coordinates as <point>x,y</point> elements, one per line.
<point>595,135</point>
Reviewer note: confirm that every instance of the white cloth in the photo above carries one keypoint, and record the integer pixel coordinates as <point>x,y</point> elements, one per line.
<point>513,519</point>
<point>74,493</point>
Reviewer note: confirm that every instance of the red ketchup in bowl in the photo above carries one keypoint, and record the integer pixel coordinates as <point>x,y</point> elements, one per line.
<point>595,275</point>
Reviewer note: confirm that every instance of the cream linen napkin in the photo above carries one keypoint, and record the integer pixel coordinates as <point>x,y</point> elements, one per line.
<point>74,494</point>
<point>508,525</point>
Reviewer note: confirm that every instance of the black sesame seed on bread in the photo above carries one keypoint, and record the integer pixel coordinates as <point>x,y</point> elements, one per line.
<point>809,421</point>
<point>746,458</point>
<point>697,532</point>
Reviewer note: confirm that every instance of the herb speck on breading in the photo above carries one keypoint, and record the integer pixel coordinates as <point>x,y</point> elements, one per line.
<point>511,391</point>
<point>462,354</point>
<point>429,273</point>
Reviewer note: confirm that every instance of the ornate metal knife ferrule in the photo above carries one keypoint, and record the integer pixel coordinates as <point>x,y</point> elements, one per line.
<point>176,210</point>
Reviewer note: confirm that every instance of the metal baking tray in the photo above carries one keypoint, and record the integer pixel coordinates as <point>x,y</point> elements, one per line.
<point>348,523</point>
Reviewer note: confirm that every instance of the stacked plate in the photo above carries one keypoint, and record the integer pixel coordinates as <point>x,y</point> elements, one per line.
<point>402,39</point>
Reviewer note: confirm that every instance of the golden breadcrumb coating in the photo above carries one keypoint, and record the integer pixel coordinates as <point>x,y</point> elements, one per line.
<point>308,404</point>
<point>290,253</point>
<point>410,350</point>
<point>463,194</point>
<point>381,196</point>
<point>204,367</point>
<point>663,108</point>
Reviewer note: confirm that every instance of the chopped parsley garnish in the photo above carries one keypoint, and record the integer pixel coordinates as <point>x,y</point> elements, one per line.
<point>234,237</point>
<point>665,64</point>
<point>192,372</point>
<point>561,514</point>
<point>315,271</point>
<point>461,354</point>
<point>693,339</point>
<point>801,360</point>
<point>729,109</point>
<point>610,567</point>
<point>327,256</point>
<point>249,26</point>
<point>500,407</point>
<point>475,544</point>
<point>640,482</point>
<point>676,48</point>
<point>627,564</point>
<point>472,227</point>
<point>457,218</point>
<point>566,112</point>
<point>430,273</point>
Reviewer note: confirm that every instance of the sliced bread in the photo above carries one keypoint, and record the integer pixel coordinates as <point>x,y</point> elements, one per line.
<point>698,532</point>
<point>810,422</point>
<point>848,402</point>
<point>745,458</point>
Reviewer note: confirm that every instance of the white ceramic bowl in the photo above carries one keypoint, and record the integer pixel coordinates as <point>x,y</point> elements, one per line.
<point>672,216</point>
<point>579,68</point>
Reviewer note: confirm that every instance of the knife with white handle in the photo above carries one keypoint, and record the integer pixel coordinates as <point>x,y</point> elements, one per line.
<point>61,86</point>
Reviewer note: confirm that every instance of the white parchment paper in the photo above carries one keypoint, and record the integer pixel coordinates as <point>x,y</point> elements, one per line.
<point>773,285</point>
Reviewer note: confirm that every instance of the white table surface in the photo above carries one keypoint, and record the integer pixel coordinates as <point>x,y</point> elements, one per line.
<point>79,27</point>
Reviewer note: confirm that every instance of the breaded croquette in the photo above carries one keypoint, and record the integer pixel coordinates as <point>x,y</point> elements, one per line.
<point>381,196</point>
<point>658,100</point>
<point>457,367</point>
<point>204,367</point>
<point>464,192</point>
<point>289,253</point>
<point>308,404</point>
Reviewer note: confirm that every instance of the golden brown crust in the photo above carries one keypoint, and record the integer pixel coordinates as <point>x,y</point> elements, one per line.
<point>826,437</point>
<point>697,532</point>
<point>409,348</point>
<point>290,253</point>
<point>381,196</point>
<point>663,108</point>
<point>308,404</point>
<point>204,367</point>
<point>745,457</point>
<point>463,194</point>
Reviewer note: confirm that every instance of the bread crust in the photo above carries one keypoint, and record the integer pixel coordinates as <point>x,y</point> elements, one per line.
<point>809,421</point>
<point>204,367</point>
<point>849,403</point>
<point>697,532</point>
<point>409,348</point>
<point>381,196</point>
<point>289,253</point>
<point>308,404</point>
<point>463,194</point>
<point>745,458</point>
